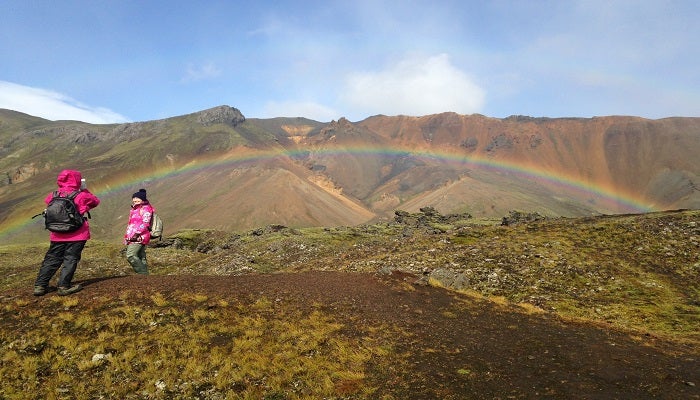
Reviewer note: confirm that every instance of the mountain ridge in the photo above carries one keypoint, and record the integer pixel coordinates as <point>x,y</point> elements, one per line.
<point>218,169</point>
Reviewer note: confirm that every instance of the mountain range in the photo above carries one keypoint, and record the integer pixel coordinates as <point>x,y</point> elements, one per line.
<point>217,169</point>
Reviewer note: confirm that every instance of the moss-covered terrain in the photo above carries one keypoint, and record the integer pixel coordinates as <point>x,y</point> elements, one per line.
<point>426,306</point>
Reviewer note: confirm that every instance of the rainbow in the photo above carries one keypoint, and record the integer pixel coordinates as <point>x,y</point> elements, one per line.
<point>120,183</point>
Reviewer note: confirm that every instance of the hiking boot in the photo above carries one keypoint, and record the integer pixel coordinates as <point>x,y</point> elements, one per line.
<point>39,290</point>
<point>65,291</point>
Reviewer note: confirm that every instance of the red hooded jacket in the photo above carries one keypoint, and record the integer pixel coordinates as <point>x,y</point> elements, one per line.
<point>69,181</point>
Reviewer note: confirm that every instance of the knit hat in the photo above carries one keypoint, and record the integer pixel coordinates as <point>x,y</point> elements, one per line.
<point>141,194</point>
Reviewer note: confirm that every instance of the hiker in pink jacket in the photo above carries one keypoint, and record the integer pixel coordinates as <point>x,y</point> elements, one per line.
<point>138,233</point>
<point>66,247</point>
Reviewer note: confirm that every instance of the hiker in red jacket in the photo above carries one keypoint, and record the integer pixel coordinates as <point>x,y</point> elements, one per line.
<point>66,247</point>
<point>138,233</point>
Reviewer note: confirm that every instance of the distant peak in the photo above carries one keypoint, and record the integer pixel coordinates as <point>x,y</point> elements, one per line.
<point>342,122</point>
<point>220,115</point>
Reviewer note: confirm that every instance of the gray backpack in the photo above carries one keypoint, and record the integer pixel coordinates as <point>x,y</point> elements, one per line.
<point>156,227</point>
<point>61,215</point>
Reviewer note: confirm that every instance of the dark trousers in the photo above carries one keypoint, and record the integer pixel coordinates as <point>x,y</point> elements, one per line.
<point>66,253</point>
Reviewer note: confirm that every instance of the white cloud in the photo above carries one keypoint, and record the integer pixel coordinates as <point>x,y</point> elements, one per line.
<point>201,72</point>
<point>53,105</point>
<point>414,86</point>
<point>305,109</point>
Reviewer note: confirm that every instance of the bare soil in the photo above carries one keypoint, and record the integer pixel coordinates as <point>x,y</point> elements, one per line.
<point>458,346</point>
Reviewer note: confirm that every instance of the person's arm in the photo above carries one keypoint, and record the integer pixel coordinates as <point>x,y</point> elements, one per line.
<point>86,201</point>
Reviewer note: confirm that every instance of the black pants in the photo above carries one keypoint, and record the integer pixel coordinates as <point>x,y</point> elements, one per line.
<point>66,253</point>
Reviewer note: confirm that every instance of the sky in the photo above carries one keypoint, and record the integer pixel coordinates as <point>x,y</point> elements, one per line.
<point>102,61</point>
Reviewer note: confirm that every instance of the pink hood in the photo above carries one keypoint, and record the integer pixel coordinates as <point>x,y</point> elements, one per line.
<point>69,180</point>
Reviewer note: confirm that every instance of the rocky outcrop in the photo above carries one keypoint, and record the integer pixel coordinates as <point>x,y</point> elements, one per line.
<point>517,217</point>
<point>19,174</point>
<point>220,115</point>
<point>428,217</point>
<point>79,133</point>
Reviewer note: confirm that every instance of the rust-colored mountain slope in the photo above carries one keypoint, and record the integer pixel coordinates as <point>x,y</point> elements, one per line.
<point>600,147</point>
<point>650,160</point>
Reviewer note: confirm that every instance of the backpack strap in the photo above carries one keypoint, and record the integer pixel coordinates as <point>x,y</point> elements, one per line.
<point>71,196</point>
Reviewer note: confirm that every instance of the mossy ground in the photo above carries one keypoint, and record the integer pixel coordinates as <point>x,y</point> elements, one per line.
<point>560,308</point>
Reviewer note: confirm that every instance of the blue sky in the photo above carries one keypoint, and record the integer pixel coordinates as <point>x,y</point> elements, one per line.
<point>137,60</point>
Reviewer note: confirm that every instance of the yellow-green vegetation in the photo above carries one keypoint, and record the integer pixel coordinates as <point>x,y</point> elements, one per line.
<point>187,346</point>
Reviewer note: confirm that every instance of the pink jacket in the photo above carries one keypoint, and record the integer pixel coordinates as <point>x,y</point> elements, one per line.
<point>139,222</point>
<point>69,181</point>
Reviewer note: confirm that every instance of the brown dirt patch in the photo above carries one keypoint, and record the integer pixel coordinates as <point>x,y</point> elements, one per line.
<point>458,346</point>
